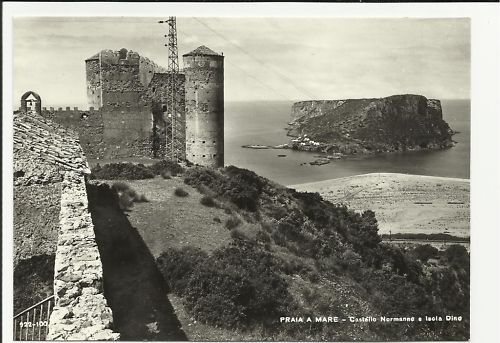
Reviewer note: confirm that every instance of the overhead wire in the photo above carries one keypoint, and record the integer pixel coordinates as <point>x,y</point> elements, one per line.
<point>261,62</point>
<point>253,77</point>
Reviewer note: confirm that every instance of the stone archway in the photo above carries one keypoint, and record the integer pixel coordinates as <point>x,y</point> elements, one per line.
<point>31,102</point>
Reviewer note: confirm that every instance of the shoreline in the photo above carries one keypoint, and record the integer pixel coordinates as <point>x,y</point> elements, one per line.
<point>345,178</point>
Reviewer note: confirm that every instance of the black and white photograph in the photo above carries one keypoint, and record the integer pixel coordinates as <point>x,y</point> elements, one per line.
<point>239,178</point>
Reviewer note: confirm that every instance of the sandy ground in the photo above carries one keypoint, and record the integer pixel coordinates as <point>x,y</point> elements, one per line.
<point>403,203</point>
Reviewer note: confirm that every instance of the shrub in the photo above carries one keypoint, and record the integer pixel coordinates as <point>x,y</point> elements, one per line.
<point>238,235</point>
<point>457,255</point>
<point>232,222</point>
<point>207,201</point>
<point>242,187</point>
<point>328,264</point>
<point>120,186</point>
<point>165,175</point>
<point>125,201</point>
<point>127,171</point>
<point>314,276</point>
<point>177,266</point>
<point>425,251</point>
<point>217,220</point>
<point>293,265</point>
<point>180,192</point>
<point>126,195</point>
<point>166,167</point>
<point>263,237</point>
<point>237,285</point>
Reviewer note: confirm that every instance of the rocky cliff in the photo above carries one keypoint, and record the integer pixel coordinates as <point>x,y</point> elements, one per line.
<point>354,126</point>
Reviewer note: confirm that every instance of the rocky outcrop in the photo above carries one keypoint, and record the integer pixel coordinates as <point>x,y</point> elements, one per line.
<point>363,126</point>
<point>81,311</point>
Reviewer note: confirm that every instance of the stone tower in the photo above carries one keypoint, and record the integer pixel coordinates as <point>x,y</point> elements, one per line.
<point>204,88</point>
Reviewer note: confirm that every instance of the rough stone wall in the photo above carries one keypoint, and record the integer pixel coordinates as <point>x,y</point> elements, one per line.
<point>147,70</point>
<point>126,94</point>
<point>88,124</point>
<point>40,149</point>
<point>204,89</point>
<point>81,311</point>
<point>93,75</point>
<point>126,113</point>
<point>37,190</point>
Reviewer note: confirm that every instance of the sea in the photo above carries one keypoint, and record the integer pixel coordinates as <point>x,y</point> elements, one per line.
<point>264,123</point>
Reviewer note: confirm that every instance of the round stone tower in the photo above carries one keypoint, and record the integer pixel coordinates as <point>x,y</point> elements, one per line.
<point>204,87</point>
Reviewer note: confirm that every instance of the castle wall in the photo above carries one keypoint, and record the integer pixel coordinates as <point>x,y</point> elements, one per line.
<point>94,89</point>
<point>127,94</point>
<point>147,70</point>
<point>204,89</point>
<point>127,132</point>
<point>81,312</point>
<point>88,124</point>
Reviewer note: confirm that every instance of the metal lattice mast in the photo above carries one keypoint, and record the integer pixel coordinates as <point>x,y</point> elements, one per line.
<point>174,143</point>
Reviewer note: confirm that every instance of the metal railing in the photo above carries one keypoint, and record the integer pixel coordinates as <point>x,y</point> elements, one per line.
<point>32,324</point>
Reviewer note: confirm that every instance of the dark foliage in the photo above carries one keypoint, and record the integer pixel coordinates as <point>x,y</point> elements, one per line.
<point>125,171</point>
<point>457,255</point>
<point>207,201</point>
<point>180,192</point>
<point>245,279</point>
<point>165,167</point>
<point>423,236</point>
<point>238,235</point>
<point>177,265</point>
<point>127,195</point>
<point>240,186</point>
<point>425,252</point>
<point>232,222</point>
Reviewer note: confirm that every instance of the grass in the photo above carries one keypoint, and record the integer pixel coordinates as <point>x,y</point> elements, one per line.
<point>171,221</point>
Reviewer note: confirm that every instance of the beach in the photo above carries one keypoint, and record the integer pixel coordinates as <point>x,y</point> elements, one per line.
<point>403,203</point>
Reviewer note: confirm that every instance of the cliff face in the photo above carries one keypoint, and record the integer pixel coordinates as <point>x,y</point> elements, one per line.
<point>399,122</point>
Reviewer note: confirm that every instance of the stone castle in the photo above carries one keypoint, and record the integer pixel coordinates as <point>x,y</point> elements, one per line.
<point>128,99</point>
<point>127,96</point>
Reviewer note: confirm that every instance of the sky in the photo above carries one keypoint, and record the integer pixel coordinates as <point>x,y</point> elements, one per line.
<point>265,58</point>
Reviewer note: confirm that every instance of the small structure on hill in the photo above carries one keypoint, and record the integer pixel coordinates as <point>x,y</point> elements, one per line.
<point>31,102</point>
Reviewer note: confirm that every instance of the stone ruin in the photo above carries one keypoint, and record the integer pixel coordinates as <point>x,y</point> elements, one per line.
<point>128,97</point>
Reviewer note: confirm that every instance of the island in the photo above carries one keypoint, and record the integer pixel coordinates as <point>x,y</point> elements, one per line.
<point>367,126</point>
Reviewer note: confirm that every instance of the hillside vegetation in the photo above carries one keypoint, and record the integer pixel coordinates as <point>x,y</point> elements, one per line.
<point>295,254</point>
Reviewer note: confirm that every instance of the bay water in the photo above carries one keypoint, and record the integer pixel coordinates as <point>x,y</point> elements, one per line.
<point>264,122</point>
